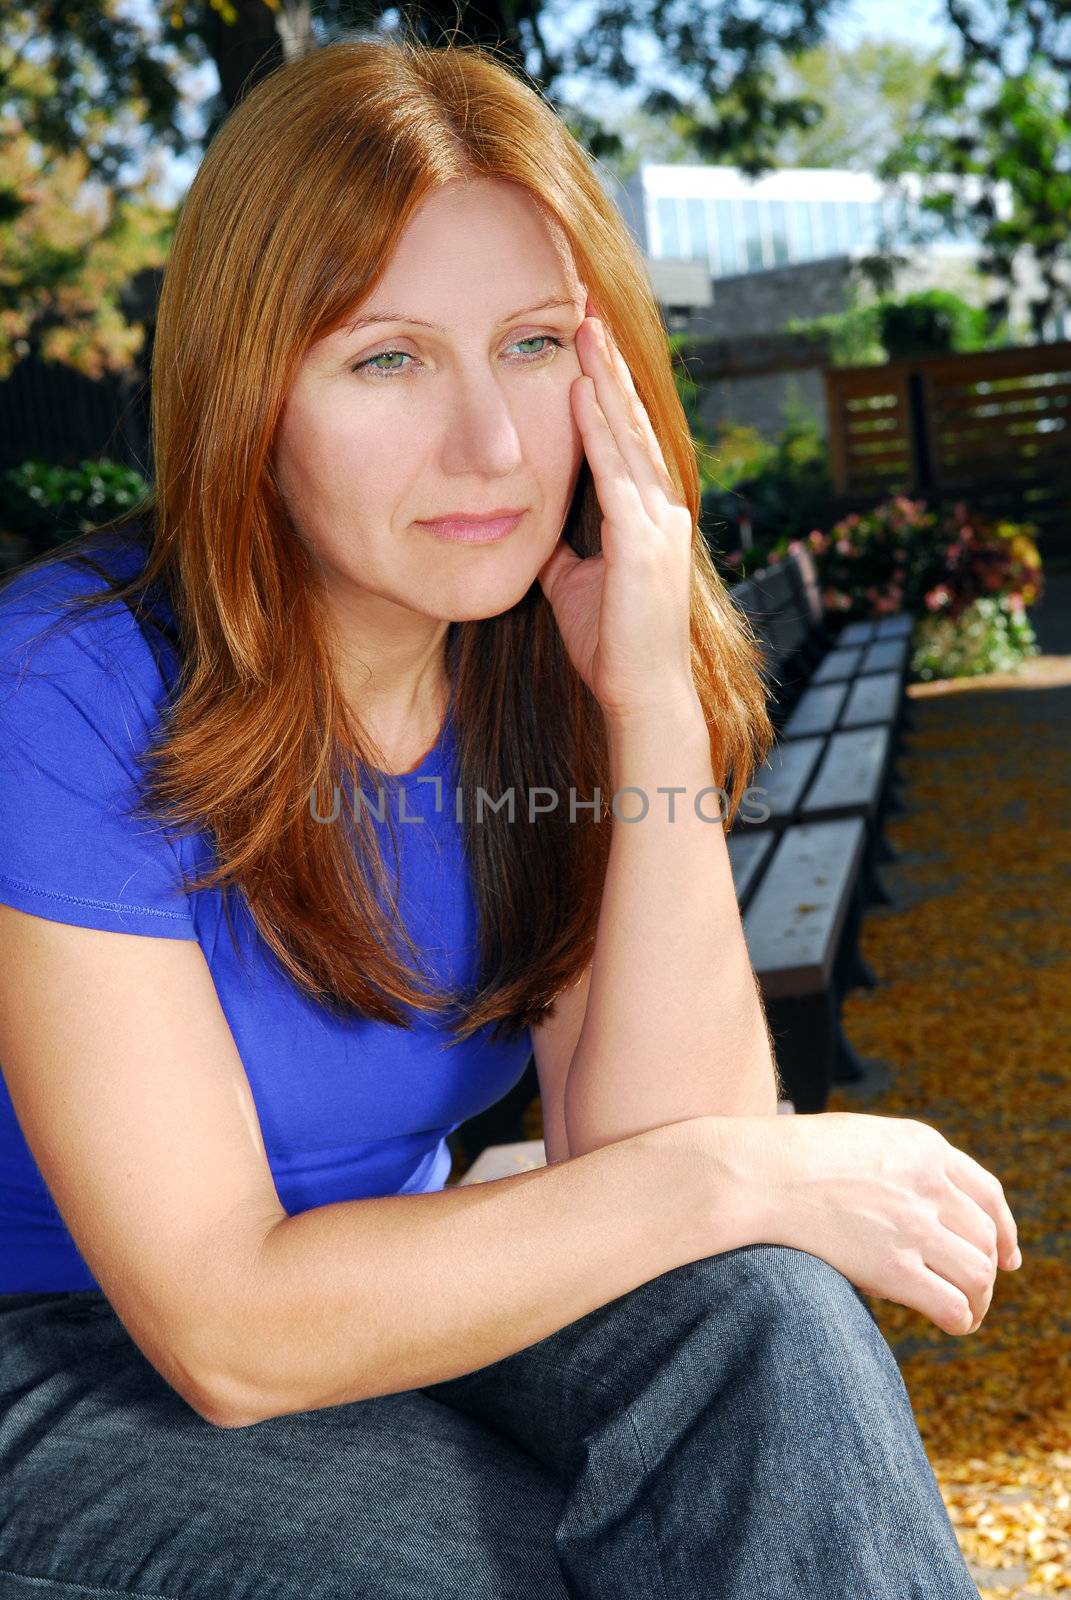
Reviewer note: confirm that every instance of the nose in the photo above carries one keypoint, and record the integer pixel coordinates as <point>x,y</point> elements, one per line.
<point>481,435</point>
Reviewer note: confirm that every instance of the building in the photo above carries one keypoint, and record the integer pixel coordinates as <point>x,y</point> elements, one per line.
<point>732,260</point>
<point>738,225</point>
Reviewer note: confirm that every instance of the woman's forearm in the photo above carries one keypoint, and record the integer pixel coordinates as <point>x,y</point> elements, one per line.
<point>674,1025</point>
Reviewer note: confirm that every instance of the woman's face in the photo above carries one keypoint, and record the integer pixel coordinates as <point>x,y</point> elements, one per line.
<point>397,422</point>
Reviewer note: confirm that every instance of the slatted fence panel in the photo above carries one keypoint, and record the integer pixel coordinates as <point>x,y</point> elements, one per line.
<point>992,428</point>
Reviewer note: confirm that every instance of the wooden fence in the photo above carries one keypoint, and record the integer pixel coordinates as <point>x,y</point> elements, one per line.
<point>992,429</point>
<point>52,413</point>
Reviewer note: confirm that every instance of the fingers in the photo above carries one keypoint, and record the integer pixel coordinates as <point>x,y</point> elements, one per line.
<point>945,1305</point>
<point>968,1273</point>
<point>618,492</point>
<point>626,416</point>
<point>988,1193</point>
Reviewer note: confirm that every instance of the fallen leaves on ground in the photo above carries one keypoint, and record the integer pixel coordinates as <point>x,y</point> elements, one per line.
<point>970,1023</point>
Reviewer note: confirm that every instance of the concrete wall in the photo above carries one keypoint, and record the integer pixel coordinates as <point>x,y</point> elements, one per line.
<point>750,372</point>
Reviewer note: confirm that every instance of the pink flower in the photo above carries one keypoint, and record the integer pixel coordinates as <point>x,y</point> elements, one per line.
<point>1015,601</point>
<point>844,546</point>
<point>794,545</point>
<point>735,557</point>
<point>899,574</point>
<point>818,540</point>
<point>872,594</point>
<point>938,597</point>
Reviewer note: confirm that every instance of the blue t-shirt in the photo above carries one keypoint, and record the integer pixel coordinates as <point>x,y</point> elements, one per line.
<point>347,1108</point>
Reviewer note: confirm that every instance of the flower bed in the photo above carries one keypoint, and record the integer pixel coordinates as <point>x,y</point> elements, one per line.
<point>967,579</point>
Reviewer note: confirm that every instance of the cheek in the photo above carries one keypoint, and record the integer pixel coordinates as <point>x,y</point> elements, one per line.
<point>342,456</point>
<point>554,435</point>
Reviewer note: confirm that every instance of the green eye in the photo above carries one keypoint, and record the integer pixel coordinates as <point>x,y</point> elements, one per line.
<point>369,363</point>
<point>384,357</point>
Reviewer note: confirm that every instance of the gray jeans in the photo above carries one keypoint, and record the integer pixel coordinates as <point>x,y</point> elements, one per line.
<point>736,1429</point>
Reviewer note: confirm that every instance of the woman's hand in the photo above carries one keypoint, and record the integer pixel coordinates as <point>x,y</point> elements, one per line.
<point>625,613</point>
<point>888,1201</point>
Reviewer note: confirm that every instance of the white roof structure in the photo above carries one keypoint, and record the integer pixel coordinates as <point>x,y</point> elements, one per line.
<point>733,224</point>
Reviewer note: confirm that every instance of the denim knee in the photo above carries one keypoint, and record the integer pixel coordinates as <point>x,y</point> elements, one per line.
<point>793,1280</point>
<point>799,1308</point>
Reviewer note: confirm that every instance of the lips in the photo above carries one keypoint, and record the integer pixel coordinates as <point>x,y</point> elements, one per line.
<point>486,529</point>
<point>474,516</point>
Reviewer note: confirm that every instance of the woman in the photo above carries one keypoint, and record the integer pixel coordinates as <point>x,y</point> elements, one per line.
<point>251,1343</point>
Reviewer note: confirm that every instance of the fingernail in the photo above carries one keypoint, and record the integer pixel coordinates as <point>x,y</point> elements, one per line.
<point>1017,1258</point>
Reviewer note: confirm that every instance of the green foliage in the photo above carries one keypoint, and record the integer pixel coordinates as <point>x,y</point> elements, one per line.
<point>890,327</point>
<point>870,92</point>
<point>77,216</point>
<point>904,555</point>
<point>931,322</point>
<point>42,505</point>
<point>1000,118</point>
<point>782,487</point>
<point>992,635</point>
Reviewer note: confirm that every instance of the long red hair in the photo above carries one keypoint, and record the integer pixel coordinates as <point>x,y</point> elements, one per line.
<point>265,260</point>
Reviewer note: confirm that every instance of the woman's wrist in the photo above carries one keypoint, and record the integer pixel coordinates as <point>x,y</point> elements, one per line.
<point>723,1170</point>
<point>679,707</point>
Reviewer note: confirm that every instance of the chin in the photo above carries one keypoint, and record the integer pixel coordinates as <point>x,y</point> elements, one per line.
<point>475,598</point>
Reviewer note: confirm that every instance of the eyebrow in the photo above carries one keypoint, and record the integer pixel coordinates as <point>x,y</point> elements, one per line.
<point>398,316</point>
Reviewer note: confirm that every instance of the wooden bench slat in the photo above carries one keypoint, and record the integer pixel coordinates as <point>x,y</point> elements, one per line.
<point>873,699</point>
<point>749,852</point>
<point>794,921</point>
<point>817,711</point>
<point>838,665</point>
<point>856,633</point>
<point>886,655</point>
<point>902,624</point>
<point>852,774</point>
<point>782,778</point>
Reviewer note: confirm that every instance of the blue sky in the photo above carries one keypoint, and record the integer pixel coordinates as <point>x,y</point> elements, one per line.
<point>920,22</point>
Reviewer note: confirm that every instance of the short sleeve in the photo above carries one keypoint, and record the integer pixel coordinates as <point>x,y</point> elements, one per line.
<point>77,713</point>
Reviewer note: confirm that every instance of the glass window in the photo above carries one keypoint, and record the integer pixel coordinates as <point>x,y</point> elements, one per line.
<point>697,230</point>
<point>856,220</point>
<point>752,235</point>
<point>725,234</point>
<point>669,243</point>
<point>803,238</point>
<point>827,213</point>
<point>891,217</point>
<point>779,230</point>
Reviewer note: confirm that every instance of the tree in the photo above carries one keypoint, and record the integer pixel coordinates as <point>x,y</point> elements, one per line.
<point>75,222</point>
<point>81,80</point>
<point>871,94</point>
<point>868,96</point>
<point>997,123</point>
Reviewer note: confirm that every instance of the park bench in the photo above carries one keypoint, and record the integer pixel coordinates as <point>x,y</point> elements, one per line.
<point>805,872</point>
<point>804,876</point>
